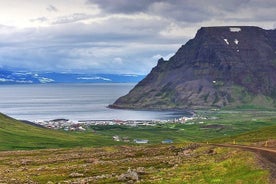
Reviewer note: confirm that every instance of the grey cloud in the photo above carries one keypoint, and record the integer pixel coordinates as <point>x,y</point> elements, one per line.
<point>39,19</point>
<point>189,11</point>
<point>114,29</point>
<point>258,12</point>
<point>124,6</point>
<point>51,8</point>
<point>180,10</point>
<point>262,3</point>
<point>71,18</point>
<point>6,27</point>
<point>230,6</point>
<point>143,29</point>
<point>88,47</point>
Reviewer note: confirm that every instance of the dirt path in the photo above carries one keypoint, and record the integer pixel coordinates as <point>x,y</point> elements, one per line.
<point>267,157</point>
<point>250,148</point>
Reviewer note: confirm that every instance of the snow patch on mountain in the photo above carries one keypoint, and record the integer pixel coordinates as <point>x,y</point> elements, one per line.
<point>235,29</point>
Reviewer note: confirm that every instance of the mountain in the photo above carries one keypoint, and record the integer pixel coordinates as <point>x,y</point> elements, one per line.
<point>20,77</point>
<point>220,67</point>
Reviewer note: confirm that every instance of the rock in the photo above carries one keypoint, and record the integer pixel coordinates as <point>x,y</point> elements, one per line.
<point>130,175</point>
<point>74,175</point>
<point>211,152</point>
<point>187,152</point>
<point>219,67</point>
<point>140,170</point>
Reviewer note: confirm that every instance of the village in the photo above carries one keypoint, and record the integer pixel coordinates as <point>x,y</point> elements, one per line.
<point>82,125</point>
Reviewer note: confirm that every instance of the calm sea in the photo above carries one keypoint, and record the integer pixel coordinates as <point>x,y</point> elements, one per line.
<point>71,101</point>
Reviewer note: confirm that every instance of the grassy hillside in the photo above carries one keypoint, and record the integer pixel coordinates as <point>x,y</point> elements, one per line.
<point>15,135</point>
<point>218,125</point>
<point>181,163</point>
<point>260,135</point>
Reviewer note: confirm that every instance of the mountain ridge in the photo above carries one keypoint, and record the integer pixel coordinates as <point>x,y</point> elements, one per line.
<point>26,77</point>
<point>219,67</point>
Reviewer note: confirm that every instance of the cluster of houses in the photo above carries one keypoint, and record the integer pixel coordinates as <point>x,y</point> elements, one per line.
<point>69,125</point>
<point>63,124</point>
<point>139,141</point>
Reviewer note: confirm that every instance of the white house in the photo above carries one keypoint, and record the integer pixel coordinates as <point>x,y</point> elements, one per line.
<point>141,141</point>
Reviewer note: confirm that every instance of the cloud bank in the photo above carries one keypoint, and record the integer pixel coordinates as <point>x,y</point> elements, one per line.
<point>108,36</point>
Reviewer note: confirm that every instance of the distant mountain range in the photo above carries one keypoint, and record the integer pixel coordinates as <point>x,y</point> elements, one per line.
<point>22,77</point>
<point>231,66</point>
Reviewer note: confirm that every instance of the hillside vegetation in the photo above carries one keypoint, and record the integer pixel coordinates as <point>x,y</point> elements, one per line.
<point>213,126</point>
<point>181,163</point>
<point>15,135</point>
<point>184,161</point>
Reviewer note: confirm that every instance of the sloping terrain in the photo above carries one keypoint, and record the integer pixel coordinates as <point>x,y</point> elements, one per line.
<point>156,163</point>
<point>219,126</point>
<point>220,67</point>
<point>15,135</point>
<point>185,163</point>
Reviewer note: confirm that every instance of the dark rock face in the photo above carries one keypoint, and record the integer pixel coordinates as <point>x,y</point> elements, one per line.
<point>221,66</point>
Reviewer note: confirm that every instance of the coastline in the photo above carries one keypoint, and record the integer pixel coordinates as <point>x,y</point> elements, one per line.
<point>74,102</point>
<point>82,125</point>
<point>116,107</point>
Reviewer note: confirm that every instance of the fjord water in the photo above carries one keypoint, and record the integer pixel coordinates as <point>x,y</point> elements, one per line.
<point>71,101</point>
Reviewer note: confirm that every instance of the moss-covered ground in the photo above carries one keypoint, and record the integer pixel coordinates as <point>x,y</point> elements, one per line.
<point>52,156</point>
<point>179,163</point>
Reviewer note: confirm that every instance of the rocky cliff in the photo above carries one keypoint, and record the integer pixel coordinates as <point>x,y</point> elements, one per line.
<point>221,66</point>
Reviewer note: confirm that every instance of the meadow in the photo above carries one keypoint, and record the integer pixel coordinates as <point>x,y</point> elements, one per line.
<point>31,154</point>
<point>178,163</point>
<point>208,126</point>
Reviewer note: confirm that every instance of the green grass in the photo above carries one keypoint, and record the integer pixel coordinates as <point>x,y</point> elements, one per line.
<point>160,164</point>
<point>225,166</point>
<point>241,99</point>
<point>211,125</point>
<point>15,135</point>
<point>154,134</point>
<point>262,134</point>
<point>229,123</point>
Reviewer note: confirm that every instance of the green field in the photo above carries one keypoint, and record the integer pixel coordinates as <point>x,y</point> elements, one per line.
<point>211,126</point>
<point>15,135</point>
<point>93,157</point>
<point>177,164</point>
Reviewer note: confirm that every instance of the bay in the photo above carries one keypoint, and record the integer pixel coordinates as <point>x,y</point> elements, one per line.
<point>72,101</point>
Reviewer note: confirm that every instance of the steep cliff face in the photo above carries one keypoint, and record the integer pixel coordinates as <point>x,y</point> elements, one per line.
<point>221,66</point>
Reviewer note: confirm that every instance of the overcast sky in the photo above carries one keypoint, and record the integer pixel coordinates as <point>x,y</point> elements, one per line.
<point>113,36</point>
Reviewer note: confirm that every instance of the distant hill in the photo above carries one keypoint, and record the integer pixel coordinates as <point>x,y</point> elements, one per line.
<point>220,67</point>
<point>20,77</point>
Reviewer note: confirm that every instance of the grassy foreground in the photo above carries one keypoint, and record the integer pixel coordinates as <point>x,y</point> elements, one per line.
<point>185,161</point>
<point>181,163</point>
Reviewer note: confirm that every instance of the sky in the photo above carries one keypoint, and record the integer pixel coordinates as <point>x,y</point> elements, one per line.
<point>113,36</point>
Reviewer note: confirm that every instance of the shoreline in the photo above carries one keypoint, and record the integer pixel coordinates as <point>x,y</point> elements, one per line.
<point>82,125</point>
<point>116,107</point>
